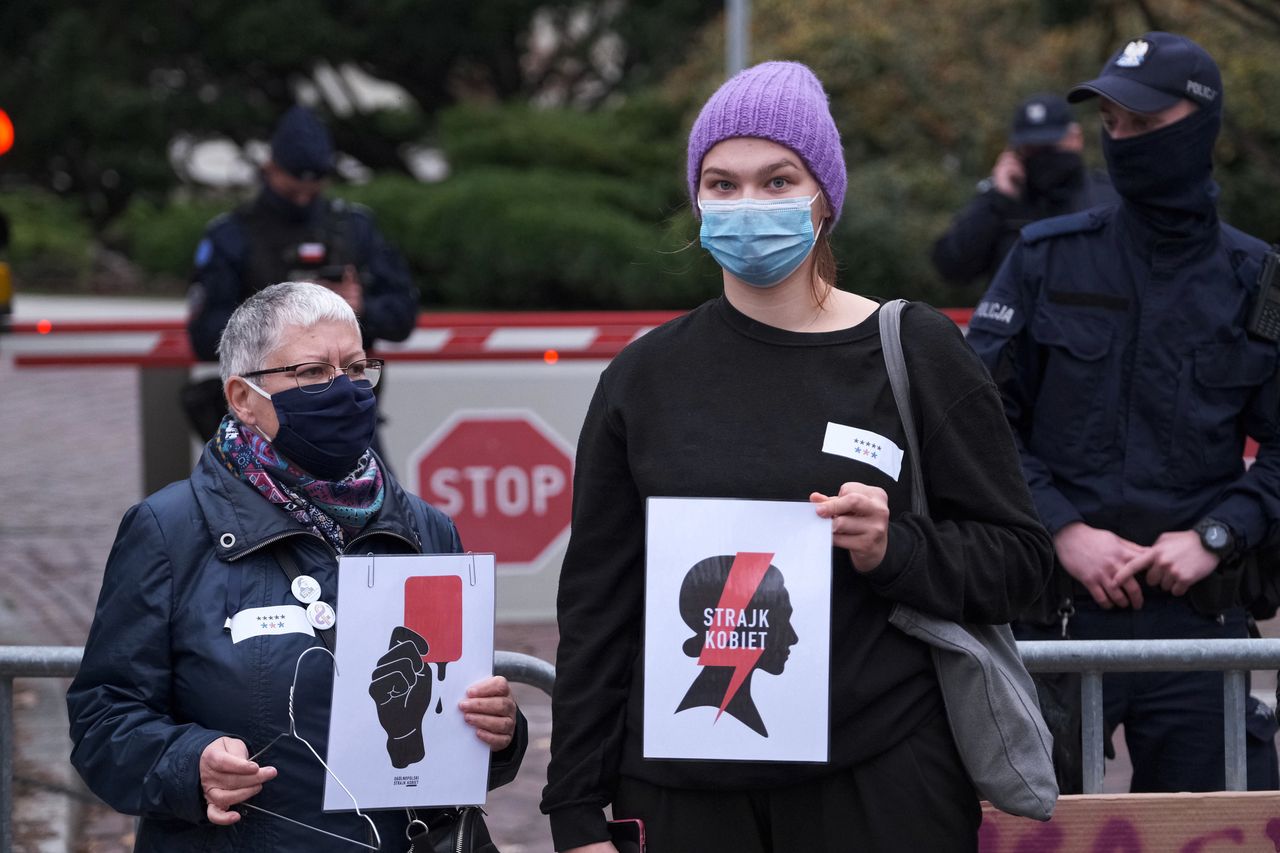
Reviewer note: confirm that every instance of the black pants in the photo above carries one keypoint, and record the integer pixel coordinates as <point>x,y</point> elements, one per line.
<point>1173,720</point>
<point>914,796</point>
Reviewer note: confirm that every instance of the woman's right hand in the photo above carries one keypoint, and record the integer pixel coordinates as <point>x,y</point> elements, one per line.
<point>227,777</point>
<point>598,847</point>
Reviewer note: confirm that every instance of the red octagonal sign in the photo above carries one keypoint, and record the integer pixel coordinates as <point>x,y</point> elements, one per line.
<point>504,478</point>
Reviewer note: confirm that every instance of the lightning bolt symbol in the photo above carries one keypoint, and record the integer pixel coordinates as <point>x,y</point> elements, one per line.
<point>744,579</point>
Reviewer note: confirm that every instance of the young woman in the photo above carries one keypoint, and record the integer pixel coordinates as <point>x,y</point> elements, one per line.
<point>734,400</point>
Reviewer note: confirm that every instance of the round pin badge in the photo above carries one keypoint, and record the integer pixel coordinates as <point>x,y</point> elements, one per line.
<point>305,589</point>
<point>321,615</point>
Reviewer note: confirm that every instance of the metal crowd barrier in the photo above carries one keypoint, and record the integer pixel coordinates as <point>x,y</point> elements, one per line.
<point>1091,658</point>
<point>63,661</point>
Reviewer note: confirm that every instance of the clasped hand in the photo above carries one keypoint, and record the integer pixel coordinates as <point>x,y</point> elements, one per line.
<point>1107,564</point>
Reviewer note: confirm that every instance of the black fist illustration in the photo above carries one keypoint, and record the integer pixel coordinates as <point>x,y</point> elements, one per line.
<point>401,688</point>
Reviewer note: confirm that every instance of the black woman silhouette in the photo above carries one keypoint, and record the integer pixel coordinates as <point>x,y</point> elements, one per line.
<point>739,610</point>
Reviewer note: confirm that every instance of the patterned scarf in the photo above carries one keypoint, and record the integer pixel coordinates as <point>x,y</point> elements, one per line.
<point>334,509</point>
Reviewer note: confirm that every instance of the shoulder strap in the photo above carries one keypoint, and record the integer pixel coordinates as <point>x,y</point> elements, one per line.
<point>896,366</point>
<point>290,566</point>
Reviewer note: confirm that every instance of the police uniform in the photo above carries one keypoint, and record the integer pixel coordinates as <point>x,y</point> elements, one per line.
<point>271,239</point>
<point>253,247</point>
<point>1055,183</point>
<point>983,232</point>
<point>1131,384</point>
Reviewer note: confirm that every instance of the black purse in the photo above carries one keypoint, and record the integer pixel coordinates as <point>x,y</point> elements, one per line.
<point>452,830</point>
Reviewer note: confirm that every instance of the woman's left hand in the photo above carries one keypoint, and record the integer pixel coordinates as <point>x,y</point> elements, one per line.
<point>859,522</point>
<point>490,709</point>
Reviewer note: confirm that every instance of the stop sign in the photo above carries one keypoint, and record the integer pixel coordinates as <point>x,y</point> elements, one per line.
<point>505,479</point>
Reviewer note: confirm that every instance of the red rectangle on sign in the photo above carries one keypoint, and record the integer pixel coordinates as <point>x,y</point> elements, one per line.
<point>433,609</point>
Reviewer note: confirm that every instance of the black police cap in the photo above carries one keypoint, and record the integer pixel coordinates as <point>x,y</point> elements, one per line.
<point>302,146</point>
<point>1042,119</point>
<point>1154,72</point>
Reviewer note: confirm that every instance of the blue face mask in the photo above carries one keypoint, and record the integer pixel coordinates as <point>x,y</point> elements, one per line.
<point>760,241</point>
<point>324,434</point>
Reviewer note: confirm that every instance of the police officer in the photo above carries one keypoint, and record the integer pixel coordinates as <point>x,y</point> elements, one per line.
<point>6,276</point>
<point>291,231</point>
<point>1118,338</point>
<point>1040,174</point>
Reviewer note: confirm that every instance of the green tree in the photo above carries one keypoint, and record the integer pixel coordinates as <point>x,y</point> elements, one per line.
<point>100,91</point>
<point>922,91</point>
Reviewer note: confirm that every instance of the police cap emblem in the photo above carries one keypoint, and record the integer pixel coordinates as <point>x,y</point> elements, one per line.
<point>1134,54</point>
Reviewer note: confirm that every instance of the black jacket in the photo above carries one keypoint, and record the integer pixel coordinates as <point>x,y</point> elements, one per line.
<point>253,247</point>
<point>982,234</point>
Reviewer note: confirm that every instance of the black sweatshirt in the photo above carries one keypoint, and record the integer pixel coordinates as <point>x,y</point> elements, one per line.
<point>715,404</point>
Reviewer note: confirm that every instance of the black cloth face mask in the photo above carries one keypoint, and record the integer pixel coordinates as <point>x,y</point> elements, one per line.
<point>1167,173</point>
<point>1053,174</point>
<point>325,434</point>
<point>285,209</point>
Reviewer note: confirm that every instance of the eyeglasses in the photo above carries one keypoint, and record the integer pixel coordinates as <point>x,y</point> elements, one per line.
<point>315,377</point>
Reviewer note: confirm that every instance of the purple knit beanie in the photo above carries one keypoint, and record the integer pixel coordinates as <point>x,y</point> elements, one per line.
<point>784,103</point>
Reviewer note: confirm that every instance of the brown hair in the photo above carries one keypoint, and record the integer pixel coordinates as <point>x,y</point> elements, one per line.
<point>823,278</point>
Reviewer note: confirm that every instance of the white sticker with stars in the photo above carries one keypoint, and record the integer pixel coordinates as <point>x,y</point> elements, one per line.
<point>863,446</point>
<point>270,621</point>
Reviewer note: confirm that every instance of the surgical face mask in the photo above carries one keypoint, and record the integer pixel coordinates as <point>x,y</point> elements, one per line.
<point>760,241</point>
<point>324,434</point>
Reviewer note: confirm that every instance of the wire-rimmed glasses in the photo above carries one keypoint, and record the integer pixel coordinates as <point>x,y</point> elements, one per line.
<point>315,377</point>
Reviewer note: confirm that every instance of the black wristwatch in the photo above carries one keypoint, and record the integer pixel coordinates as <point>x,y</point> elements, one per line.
<point>1217,538</point>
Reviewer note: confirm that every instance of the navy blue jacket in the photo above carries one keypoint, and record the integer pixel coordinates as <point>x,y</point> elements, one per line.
<point>981,235</point>
<point>161,679</point>
<point>248,249</point>
<point>1128,377</point>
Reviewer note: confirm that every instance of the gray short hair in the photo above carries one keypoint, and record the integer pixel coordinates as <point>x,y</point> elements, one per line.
<point>256,328</point>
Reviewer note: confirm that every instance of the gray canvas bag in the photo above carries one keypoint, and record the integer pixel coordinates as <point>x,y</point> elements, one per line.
<point>989,696</point>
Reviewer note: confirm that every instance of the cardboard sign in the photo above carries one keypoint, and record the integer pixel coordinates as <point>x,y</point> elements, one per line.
<point>1141,823</point>
<point>414,632</point>
<point>737,630</point>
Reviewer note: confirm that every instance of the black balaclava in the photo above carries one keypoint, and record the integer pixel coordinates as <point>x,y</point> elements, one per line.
<point>284,208</point>
<point>1053,174</point>
<point>1165,176</point>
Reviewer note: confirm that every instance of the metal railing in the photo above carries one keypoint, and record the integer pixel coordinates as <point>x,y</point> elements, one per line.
<point>1091,658</point>
<point>64,661</point>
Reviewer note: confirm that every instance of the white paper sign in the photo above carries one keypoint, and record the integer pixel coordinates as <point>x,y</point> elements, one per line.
<point>414,632</point>
<point>737,630</point>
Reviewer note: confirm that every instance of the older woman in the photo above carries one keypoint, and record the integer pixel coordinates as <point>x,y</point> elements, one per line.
<point>168,705</point>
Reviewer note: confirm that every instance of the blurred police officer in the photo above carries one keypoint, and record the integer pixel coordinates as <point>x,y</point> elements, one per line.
<point>291,231</point>
<point>6,276</point>
<point>1118,338</point>
<point>1040,174</point>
